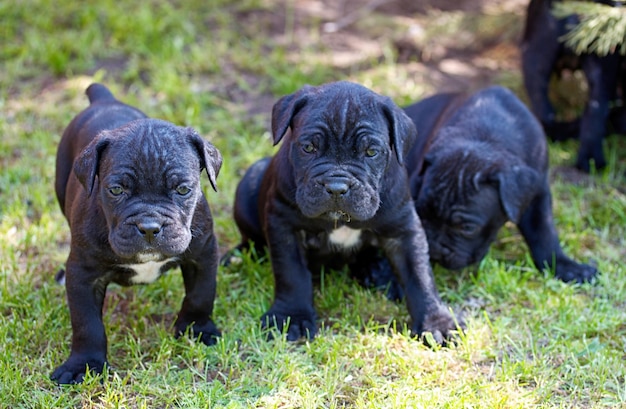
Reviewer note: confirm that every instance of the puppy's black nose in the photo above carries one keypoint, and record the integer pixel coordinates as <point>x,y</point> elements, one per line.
<point>149,230</point>
<point>336,187</point>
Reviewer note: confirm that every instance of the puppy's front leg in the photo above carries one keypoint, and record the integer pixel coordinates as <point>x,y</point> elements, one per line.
<point>409,260</point>
<point>293,285</point>
<point>537,227</point>
<point>85,297</point>
<point>199,275</point>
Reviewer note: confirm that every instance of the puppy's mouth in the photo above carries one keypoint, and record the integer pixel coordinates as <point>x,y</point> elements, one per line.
<point>339,216</point>
<point>147,256</point>
<point>451,260</point>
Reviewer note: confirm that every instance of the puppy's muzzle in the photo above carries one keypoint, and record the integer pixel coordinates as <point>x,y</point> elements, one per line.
<point>337,195</point>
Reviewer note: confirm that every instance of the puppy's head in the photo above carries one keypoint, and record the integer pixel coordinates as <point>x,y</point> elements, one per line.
<point>147,178</point>
<point>343,139</point>
<point>465,195</point>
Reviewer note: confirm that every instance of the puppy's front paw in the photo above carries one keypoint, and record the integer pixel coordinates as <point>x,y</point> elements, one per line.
<point>297,324</point>
<point>570,271</point>
<point>206,333</point>
<point>441,324</point>
<point>74,369</point>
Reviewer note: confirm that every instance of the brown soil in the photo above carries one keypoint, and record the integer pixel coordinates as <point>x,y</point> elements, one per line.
<point>474,43</point>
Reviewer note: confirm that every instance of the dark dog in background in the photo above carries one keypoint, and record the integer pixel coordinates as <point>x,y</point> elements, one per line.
<point>336,192</point>
<point>129,187</point>
<point>544,54</point>
<point>481,160</point>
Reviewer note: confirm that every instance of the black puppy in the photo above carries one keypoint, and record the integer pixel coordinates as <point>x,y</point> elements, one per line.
<point>543,54</point>
<point>129,187</point>
<point>335,192</point>
<point>483,160</point>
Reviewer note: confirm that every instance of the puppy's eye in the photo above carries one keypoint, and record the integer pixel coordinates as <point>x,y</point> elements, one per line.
<point>308,148</point>
<point>371,152</point>
<point>116,190</point>
<point>468,229</point>
<point>183,190</point>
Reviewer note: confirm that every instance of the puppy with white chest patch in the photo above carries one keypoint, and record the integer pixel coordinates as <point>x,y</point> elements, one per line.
<point>129,187</point>
<point>335,193</point>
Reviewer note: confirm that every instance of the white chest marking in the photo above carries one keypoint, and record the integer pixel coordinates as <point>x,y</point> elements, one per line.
<point>147,272</point>
<point>345,237</point>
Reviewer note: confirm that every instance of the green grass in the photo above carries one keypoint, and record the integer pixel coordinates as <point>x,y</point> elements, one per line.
<point>218,66</point>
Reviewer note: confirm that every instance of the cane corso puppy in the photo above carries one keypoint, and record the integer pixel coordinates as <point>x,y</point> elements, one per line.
<point>334,193</point>
<point>483,160</point>
<point>129,187</point>
<point>543,54</point>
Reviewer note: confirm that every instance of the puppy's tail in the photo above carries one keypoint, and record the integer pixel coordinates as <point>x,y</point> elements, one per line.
<point>98,93</point>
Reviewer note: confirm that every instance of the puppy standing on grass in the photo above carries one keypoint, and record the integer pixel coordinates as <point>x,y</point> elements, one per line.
<point>483,160</point>
<point>129,187</point>
<point>335,192</point>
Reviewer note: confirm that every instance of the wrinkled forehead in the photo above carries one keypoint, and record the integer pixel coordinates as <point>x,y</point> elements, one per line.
<point>454,178</point>
<point>147,150</point>
<point>342,113</point>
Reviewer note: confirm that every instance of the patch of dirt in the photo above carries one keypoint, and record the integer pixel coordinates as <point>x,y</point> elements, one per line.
<point>460,44</point>
<point>443,45</point>
<point>570,175</point>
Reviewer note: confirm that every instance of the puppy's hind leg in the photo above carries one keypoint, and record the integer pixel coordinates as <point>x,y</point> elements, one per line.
<point>246,212</point>
<point>373,270</point>
<point>539,53</point>
<point>602,73</point>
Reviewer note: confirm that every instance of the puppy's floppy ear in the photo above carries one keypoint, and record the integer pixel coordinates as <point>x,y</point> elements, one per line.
<point>427,162</point>
<point>402,131</point>
<point>416,178</point>
<point>517,185</point>
<point>210,156</point>
<point>87,163</point>
<point>285,109</point>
